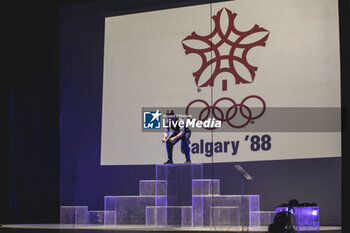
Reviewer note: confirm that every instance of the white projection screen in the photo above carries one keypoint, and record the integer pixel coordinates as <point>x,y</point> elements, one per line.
<point>284,53</point>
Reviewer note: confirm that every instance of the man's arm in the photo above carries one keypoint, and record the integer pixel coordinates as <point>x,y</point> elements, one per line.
<point>166,133</point>
<point>165,137</point>
<point>179,135</point>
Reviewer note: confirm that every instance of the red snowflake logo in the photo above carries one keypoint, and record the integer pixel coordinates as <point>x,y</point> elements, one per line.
<point>234,39</point>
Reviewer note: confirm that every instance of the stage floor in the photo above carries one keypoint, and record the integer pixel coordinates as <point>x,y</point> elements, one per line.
<point>134,228</point>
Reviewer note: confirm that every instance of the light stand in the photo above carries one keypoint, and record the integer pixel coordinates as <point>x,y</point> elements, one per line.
<point>291,204</point>
<point>244,176</point>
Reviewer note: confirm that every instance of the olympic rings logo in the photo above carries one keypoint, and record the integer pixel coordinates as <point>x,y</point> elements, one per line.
<point>229,113</point>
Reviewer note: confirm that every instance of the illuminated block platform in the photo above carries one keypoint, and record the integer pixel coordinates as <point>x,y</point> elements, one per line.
<point>132,209</point>
<point>102,217</point>
<point>305,218</point>
<point>261,218</point>
<point>177,216</point>
<point>205,186</point>
<point>74,215</point>
<point>153,187</point>
<point>179,178</point>
<point>179,196</point>
<point>224,216</point>
<point>201,206</point>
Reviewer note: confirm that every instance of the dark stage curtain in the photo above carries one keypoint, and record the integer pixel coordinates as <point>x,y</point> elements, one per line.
<point>344,26</point>
<point>29,161</point>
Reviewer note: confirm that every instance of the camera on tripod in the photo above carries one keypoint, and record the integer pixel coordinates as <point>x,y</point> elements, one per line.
<point>284,221</point>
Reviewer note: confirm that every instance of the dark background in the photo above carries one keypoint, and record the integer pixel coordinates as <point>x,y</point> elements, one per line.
<point>53,94</point>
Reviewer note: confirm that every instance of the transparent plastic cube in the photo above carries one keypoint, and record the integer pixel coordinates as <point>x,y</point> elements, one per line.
<point>170,171</point>
<point>155,216</point>
<point>132,209</point>
<point>110,218</point>
<point>224,216</point>
<point>96,217</point>
<point>153,187</point>
<point>179,179</point>
<point>74,215</point>
<point>205,186</point>
<point>176,216</point>
<point>307,218</point>
<point>100,217</point>
<point>261,218</point>
<point>202,203</point>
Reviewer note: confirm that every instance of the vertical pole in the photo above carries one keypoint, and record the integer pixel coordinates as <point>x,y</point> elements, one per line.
<point>242,207</point>
<point>242,210</point>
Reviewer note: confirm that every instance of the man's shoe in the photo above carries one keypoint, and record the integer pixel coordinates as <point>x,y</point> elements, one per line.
<point>169,162</point>
<point>188,161</point>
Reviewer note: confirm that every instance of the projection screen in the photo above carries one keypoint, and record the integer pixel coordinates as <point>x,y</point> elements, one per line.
<point>280,57</point>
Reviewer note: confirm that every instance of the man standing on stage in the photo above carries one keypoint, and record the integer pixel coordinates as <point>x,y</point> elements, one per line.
<point>180,132</point>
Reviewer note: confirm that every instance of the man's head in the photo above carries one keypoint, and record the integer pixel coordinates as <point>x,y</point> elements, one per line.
<point>170,115</point>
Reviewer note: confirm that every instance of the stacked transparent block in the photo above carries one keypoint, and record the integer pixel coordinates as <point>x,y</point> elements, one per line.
<point>178,179</point>
<point>180,197</point>
<point>165,201</point>
<point>212,209</point>
<point>80,215</point>
<point>102,217</point>
<point>261,218</point>
<point>74,215</point>
<point>132,209</point>
<point>176,216</point>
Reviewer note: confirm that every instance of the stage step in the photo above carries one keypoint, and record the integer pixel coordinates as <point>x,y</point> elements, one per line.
<point>153,187</point>
<point>201,206</point>
<point>205,186</point>
<point>180,216</point>
<point>100,217</point>
<point>261,218</point>
<point>74,215</point>
<point>132,209</point>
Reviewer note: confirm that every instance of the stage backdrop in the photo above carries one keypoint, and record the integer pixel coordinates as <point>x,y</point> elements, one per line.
<point>280,57</point>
